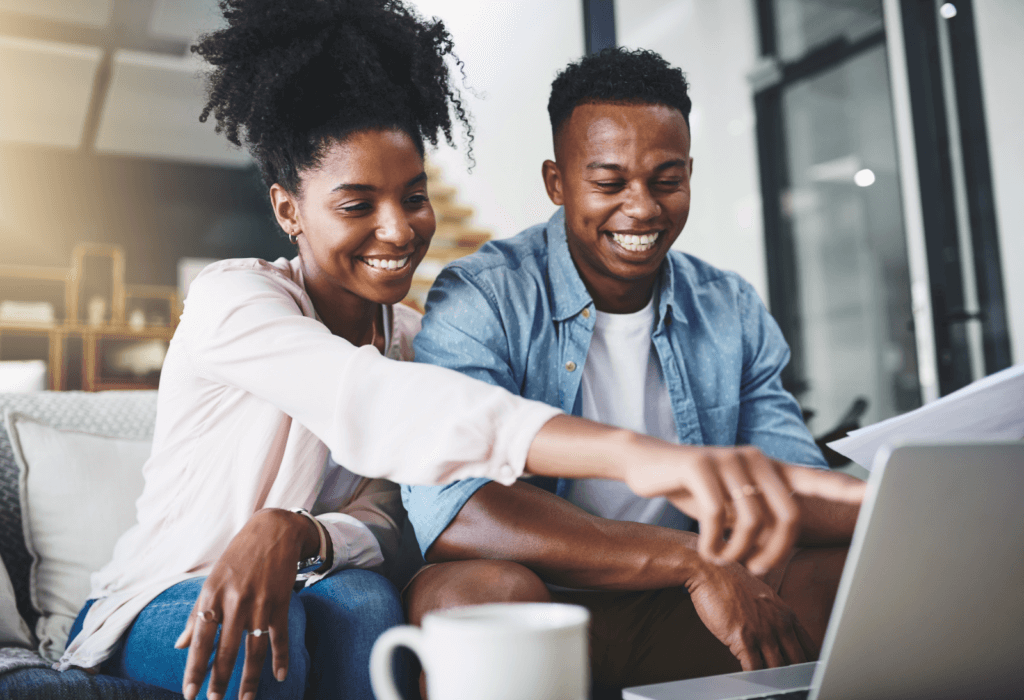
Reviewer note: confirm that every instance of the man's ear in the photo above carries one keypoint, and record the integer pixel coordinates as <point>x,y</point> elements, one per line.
<point>286,209</point>
<point>553,182</point>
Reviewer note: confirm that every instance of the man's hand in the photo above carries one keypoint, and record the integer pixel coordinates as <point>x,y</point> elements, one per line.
<point>249,589</point>
<point>747,616</point>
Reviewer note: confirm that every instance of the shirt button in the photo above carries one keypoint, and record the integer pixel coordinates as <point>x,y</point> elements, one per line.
<point>570,366</point>
<point>586,313</point>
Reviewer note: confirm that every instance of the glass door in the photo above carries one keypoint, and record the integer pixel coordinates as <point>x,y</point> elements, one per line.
<point>837,254</point>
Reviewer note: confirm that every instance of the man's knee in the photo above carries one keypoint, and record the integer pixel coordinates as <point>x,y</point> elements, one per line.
<point>454,584</point>
<point>354,597</point>
<point>810,584</point>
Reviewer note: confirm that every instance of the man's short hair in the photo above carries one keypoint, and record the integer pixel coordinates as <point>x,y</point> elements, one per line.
<point>636,76</point>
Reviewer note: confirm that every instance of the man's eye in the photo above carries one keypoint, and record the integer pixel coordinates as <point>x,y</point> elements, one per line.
<point>610,185</point>
<point>669,184</point>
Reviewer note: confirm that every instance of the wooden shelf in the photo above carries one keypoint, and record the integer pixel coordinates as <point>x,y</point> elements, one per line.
<point>114,327</point>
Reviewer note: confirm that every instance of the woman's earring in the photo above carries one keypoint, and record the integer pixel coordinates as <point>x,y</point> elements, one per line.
<point>294,238</point>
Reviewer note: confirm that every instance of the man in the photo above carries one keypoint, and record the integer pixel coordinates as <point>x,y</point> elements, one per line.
<point>592,312</point>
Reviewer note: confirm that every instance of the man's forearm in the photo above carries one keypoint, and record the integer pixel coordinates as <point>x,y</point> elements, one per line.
<point>565,545</point>
<point>824,522</point>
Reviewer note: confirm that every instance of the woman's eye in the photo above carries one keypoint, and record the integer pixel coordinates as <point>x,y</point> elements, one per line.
<point>361,206</point>
<point>417,199</point>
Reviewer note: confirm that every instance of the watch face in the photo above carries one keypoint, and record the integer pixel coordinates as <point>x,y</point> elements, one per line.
<point>308,567</point>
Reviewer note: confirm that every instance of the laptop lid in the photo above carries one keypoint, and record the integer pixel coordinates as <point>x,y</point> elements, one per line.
<point>931,602</point>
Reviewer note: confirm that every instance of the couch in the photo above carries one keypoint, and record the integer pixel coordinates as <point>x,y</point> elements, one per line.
<point>23,673</point>
<point>130,416</point>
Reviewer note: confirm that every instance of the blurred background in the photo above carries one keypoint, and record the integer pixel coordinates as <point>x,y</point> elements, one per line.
<point>861,162</point>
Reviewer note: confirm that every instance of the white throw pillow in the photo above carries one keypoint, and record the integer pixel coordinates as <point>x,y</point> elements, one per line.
<point>78,494</point>
<point>13,630</point>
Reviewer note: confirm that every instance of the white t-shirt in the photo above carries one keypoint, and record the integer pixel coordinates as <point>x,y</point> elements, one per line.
<point>623,386</point>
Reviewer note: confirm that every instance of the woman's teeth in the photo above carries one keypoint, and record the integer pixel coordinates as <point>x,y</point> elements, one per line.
<point>634,243</point>
<point>382,264</point>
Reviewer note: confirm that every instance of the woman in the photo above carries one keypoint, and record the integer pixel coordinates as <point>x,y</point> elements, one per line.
<point>275,366</point>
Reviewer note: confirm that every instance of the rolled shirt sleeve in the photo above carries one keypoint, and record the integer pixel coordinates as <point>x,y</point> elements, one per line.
<point>770,418</point>
<point>406,422</point>
<point>468,338</point>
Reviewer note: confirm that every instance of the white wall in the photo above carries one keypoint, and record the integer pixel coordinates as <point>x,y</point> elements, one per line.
<point>715,44</point>
<point>512,50</point>
<point>1000,32</point>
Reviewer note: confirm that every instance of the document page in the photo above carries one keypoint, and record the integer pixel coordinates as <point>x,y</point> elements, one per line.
<point>989,409</point>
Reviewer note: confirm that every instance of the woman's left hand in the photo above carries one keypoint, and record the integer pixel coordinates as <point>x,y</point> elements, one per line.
<point>249,589</point>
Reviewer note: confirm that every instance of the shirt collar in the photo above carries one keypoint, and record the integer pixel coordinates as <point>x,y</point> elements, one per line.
<point>567,288</point>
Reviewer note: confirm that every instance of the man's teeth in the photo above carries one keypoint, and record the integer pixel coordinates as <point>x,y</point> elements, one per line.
<point>382,264</point>
<point>636,243</point>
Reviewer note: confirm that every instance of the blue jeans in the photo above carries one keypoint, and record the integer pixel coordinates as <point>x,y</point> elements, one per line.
<point>332,626</point>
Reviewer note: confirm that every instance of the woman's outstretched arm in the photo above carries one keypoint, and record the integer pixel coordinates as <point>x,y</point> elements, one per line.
<point>737,492</point>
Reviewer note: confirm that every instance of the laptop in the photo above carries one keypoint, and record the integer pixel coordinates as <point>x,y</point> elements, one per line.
<point>931,600</point>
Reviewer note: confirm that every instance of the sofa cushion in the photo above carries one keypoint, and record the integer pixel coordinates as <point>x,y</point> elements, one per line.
<point>13,630</point>
<point>124,414</point>
<point>47,684</point>
<point>78,494</point>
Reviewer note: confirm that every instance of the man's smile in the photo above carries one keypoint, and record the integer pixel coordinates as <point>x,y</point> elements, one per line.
<point>639,242</point>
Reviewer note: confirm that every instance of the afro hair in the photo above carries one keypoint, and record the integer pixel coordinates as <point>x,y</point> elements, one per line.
<point>619,75</point>
<point>288,78</point>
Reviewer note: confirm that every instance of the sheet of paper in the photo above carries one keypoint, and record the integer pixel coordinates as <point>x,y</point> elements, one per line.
<point>989,409</point>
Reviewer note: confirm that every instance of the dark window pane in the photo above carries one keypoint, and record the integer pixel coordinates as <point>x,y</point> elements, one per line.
<point>844,212</point>
<point>804,25</point>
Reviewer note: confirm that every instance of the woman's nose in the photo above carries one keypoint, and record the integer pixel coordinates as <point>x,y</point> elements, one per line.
<point>393,227</point>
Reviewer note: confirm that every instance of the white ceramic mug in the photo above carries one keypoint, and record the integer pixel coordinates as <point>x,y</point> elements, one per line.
<point>502,651</point>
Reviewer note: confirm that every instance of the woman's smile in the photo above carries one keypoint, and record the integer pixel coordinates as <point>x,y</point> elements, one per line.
<point>384,265</point>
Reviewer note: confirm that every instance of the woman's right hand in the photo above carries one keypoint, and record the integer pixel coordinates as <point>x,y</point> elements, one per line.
<point>745,502</point>
<point>249,589</point>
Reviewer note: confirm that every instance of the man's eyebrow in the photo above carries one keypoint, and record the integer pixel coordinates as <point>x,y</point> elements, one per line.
<point>676,163</point>
<point>605,166</point>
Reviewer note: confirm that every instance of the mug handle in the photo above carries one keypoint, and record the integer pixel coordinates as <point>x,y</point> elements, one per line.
<point>381,677</point>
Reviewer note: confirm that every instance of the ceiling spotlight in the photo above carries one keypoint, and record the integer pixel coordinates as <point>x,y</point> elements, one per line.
<point>864,178</point>
<point>948,10</point>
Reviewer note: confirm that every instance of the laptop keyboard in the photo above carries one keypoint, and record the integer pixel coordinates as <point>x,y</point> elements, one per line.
<point>789,695</point>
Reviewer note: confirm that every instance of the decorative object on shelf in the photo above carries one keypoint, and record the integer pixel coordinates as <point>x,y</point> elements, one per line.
<point>26,311</point>
<point>89,323</point>
<point>97,311</point>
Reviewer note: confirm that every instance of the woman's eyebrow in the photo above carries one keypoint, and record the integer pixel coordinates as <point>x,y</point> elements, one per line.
<point>356,187</point>
<point>352,187</point>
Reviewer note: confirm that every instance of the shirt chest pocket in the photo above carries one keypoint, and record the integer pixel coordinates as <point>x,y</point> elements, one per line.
<point>719,425</point>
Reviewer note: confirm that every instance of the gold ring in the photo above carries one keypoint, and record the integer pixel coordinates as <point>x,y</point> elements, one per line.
<point>745,491</point>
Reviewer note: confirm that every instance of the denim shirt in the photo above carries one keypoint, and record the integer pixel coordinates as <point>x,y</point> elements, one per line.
<point>517,314</point>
